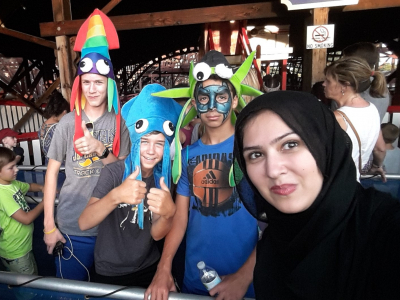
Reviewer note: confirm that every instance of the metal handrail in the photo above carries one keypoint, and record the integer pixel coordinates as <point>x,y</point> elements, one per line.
<point>85,288</point>
<point>388,176</point>
<point>36,168</point>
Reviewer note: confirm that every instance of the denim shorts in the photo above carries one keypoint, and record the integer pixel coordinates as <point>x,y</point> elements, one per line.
<point>23,265</point>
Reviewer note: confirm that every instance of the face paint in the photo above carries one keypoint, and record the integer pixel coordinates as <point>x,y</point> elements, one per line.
<point>214,96</point>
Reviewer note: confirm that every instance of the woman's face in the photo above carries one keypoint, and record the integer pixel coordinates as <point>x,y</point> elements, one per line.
<point>279,164</point>
<point>332,88</point>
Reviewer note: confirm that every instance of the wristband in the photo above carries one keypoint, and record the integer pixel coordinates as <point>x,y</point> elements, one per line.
<point>105,153</point>
<point>51,231</point>
<point>376,166</point>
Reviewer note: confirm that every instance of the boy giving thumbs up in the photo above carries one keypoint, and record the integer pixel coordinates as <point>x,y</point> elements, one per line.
<point>131,204</point>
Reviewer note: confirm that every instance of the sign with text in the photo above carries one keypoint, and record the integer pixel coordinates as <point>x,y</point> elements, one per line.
<point>307,4</point>
<point>320,36</point>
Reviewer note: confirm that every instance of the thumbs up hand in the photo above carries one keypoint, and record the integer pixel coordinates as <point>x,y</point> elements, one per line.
<point>88,144</point>
<point>131,191</point>
<point>160,201</point>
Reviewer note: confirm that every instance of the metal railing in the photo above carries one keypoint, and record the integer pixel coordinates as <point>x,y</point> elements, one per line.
<point>84,288</point>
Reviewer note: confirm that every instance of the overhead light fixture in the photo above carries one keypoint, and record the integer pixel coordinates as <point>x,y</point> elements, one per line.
<point>272,28</point>
<point>232,21</point>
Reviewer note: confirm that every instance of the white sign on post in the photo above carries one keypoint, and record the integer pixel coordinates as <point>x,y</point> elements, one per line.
<point>307,4</point>
<point>320,36</point>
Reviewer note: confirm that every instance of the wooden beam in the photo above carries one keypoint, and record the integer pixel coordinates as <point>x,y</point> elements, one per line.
<point>61,10</point>
<point>170,18</point>
<point>27,37</point>
<point>372,4</point>
<point>38,102</point>
<point>7,89</point>
<point>110,5</point>
<point>314,59</point>
<point>61,13</point>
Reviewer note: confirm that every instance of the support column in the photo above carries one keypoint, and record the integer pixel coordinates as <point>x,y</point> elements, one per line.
<point>62,12</point>
<point>314,61</point>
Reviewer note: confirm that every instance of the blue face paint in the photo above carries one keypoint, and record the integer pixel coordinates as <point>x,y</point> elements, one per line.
<point>214,96</point>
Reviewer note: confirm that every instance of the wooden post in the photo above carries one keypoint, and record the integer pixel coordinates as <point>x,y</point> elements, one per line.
<point>62,12</point>
<point>314,61</point>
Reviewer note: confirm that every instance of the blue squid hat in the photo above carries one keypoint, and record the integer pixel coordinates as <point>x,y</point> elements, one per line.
<point>144,114</point>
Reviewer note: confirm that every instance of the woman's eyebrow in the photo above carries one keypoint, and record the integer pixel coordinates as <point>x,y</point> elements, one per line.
<point>274,141</point>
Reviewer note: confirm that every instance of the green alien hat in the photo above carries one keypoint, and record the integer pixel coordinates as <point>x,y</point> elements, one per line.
<point>213,62</point>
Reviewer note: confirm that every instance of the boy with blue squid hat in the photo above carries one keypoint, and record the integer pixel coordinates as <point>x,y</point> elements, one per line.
<point>146,115</point>
<point>131,203</point>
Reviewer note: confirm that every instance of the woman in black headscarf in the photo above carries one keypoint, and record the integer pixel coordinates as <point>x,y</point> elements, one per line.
<point>327,237</point>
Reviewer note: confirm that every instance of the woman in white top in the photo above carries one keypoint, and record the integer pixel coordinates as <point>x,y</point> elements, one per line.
<point>341,84</point>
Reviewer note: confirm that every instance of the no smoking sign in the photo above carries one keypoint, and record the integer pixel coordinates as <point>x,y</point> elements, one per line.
<point>320,36</point>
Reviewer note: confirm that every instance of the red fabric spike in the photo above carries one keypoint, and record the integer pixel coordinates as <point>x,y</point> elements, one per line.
<point>111,32</point>
<point>81,36</point>
<point>75,92</point>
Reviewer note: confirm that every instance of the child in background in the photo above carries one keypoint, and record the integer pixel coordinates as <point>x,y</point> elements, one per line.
<point>8,138</point>
<point>390,134</point>
<point>16,217</point>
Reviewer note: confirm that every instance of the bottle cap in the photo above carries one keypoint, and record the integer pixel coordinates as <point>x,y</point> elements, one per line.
<point>201,265</point>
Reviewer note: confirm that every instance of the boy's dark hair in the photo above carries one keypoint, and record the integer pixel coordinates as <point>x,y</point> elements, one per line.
<point>216,77</point>
<point>390,132</point>
<point>6,156</point>
<point>365,50</point>
<point>56,105</point>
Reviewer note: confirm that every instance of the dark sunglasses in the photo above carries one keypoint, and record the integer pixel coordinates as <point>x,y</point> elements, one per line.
<point>90,127</point>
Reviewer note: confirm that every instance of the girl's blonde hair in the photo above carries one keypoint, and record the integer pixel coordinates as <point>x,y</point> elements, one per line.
<point>355,72</point>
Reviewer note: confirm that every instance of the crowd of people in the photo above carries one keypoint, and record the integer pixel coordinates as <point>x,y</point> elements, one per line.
<point>268,194</point>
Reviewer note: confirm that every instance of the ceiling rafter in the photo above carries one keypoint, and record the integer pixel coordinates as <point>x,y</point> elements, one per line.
<point>170,18</point>
<point>28,37</point>
<point>110,5</point>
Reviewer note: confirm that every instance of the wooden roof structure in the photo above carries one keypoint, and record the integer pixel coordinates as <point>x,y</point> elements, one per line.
<point>36,29</point>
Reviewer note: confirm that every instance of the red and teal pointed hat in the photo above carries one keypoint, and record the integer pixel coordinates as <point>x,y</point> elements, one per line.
<point>96,36</point>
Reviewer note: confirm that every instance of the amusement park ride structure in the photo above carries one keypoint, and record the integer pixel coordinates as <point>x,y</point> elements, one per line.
<point>30,81</point>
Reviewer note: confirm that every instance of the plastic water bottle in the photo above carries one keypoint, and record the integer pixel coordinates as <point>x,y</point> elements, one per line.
<point>208,276</point>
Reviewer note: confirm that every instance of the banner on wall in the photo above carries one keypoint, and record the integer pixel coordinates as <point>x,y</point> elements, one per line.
<point>320,36</point>
<point>307,4</point>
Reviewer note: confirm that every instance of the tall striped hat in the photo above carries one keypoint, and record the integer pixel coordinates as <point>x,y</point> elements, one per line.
<point>95,37</point>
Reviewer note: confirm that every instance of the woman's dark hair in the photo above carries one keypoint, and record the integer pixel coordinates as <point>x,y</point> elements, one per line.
<point>56,105</point>
<point>365,50</point>
<point>6,156</point>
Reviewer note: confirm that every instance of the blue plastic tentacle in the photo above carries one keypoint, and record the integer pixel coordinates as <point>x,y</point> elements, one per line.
<point>115,98</point>
<point>166,165</point>
<point>136,157</point>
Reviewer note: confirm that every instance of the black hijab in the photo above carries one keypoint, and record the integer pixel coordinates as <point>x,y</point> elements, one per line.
<point>328,251</point>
